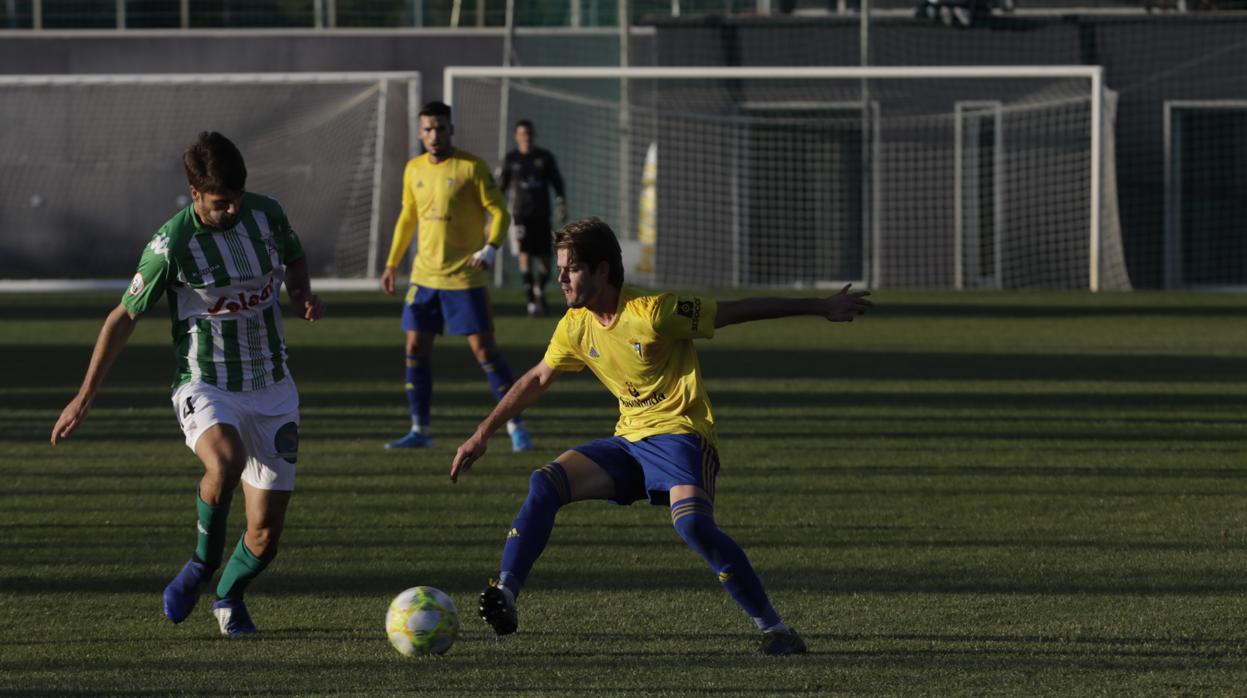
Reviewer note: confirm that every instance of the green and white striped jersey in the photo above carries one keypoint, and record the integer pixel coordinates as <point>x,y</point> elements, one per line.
<point>223,290</point>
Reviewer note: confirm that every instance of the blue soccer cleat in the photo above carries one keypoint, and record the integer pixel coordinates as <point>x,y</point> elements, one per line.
<point>182,593</point>
<point>413,439</point>
<point>520,440</point>
<point>233,618</point>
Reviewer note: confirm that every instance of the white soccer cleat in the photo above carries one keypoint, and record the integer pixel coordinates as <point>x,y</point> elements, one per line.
<point>232,616</point>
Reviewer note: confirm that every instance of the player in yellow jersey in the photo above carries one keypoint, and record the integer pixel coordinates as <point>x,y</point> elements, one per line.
<point>664,449</point>
<point>446,194</point>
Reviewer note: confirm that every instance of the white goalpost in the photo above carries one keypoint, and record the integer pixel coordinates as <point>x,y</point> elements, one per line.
<point>91,164</point>
<point>953,177</point>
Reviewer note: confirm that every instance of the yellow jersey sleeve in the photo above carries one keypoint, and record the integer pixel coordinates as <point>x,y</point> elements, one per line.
<point>405,228</point>
<point>493,202</point>
<point>678,316</point>
<point>560,354</point>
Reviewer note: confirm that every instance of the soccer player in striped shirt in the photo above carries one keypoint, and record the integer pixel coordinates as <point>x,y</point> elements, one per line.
<point>640,346</point>
<point>222,261</point>
<point>447,192</point>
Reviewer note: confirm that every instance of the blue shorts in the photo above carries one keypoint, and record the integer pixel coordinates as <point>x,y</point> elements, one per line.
<point>457,312</point>
<point>649,468</point>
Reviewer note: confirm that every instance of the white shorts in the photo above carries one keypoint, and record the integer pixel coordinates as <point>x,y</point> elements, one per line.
<point>267,419</point>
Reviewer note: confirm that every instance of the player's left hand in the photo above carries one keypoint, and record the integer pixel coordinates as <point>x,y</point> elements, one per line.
<point>484,258</point>
<point>846,305</point>
<point>309,308</point>
<point>471,451</point>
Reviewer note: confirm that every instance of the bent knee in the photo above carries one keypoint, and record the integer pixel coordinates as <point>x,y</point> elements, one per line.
<point>263,541</point>
<point>693,519</point>
<point>225,467</point>
<point>697,529</point>
<point>549,483</point>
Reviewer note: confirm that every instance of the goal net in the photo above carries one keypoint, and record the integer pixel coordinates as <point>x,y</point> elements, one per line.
<point>798,177</point>
<point>90,166</point>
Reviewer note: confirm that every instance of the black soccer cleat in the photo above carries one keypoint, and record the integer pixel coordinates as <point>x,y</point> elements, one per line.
<point>781,643</point>
<point>498,610</point>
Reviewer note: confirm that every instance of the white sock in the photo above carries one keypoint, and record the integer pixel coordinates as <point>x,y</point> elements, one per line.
<point>779,627</point>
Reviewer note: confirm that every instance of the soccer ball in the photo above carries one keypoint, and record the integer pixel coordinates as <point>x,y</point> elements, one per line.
<point>422,620</point>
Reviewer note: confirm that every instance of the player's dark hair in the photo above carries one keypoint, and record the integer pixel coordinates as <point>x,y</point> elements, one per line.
<point>525,123</point>
<point>440,109</point>
<point>592,242</point>
<point>214,164</point>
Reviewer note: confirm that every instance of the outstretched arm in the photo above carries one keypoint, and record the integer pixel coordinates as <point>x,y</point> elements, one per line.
<point>842,307</point>
<point>524,392</point>
<point>113,337</point>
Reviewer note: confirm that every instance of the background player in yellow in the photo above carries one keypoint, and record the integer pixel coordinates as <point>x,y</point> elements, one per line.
<point>446,194</point>
<point>665,448</point>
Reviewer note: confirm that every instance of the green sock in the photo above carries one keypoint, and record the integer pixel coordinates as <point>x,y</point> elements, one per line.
<point>243,567</point>
<point>210,543</point>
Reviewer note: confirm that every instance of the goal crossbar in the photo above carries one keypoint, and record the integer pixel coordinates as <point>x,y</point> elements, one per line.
<point>209,78</point>
<point>1090,72</point>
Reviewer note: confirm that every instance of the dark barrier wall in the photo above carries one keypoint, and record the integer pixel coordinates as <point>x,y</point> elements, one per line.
<point>254,51</point>
<point>1148,61</point>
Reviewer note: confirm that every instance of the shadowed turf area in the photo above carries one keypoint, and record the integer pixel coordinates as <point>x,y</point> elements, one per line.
<point>958,494</point>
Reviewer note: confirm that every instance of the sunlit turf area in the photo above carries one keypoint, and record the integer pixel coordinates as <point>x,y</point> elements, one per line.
<point>958,494</point>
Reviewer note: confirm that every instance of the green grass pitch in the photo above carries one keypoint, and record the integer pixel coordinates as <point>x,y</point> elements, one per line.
<point>958,494</point>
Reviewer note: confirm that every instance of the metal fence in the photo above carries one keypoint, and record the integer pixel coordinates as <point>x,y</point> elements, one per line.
<point>329,14</point>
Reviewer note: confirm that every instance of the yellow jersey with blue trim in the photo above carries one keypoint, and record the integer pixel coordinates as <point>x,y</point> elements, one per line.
<point>448,202</point>
<point>646,358</point>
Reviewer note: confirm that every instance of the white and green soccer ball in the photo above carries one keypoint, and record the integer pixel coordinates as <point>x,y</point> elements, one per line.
<point>422,620</point>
